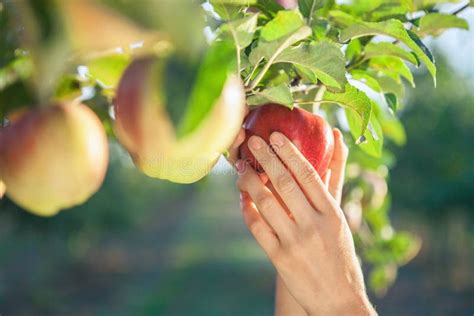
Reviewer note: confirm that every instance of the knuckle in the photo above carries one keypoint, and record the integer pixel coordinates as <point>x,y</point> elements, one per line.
<point>286,184</point>
<point>264,202</point>
<point>339,218</point>
<point>256,229</point>
<point>309,175</point>
<point>279,149</point>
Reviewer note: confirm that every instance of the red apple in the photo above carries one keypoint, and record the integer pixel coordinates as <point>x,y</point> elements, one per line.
<point>310,133</point>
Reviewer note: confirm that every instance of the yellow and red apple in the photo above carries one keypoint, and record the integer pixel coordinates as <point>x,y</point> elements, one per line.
<point>2,189</point>
<point>146,130</point>
<point>53,157</point>
<point>96,28</point>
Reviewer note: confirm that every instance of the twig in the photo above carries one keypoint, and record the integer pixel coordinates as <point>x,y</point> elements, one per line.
<point>297,102</point>
<point>318,98</point>
<point>311,12</point>
<point>303,87</point>
<point>247,81</point>
<point>464,7</point>
<point>260,75</point>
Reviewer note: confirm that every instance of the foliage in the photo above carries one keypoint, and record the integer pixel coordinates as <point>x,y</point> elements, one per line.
<point>315,54</point>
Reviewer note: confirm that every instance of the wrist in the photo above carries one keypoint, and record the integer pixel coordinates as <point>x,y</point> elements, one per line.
<point>361,306</point>
<point>352,306</point>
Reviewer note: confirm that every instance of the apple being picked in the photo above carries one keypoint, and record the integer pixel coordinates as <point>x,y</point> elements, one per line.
<point>309,132</point>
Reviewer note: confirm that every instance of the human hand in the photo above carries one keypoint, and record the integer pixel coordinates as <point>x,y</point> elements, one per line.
<point>312,247</point>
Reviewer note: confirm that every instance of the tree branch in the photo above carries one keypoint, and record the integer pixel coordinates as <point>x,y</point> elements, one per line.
<point>464,7</point>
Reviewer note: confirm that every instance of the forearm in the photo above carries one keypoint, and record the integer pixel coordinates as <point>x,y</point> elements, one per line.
<point>355,304</point>
<point>285,303</point>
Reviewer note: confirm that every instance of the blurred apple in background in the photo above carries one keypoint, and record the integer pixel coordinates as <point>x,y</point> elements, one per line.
<point>96,28</point>
<point>145,128</point>
<point>2,189</point>
<point>53,157</point>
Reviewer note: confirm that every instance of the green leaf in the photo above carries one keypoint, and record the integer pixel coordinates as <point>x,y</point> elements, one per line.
<point>68,88</point>
<point>389,10</point>
<point>20,68</point>
<point>427,4</point>
<point>389,49</point>
<point>393,67</point>
<point>391,126</point>
<point>227,12</point>
<point>360,7</point>
<point>355,100</point>
<point>270,50</point>
<point>341,19</point>
<point>397,249</point>
<point>15,96</point>
<point>213,72</point>
<point>280,94</point>
<point>353,50</point>
<point>108,70</point>
<point>306,74</point>
<point>388,84</point>
<point>323,58</point>
<point>392,101</point>
<point>371,140</point>
<point>241,31</point>
<point>395,29</point>
<point>370,162</point>
<point>320,28</point>
<point>436,23</point>
<point>393,129</point>
<point>278,74</point>
<point>308,7</point>
<point>284,23</point>
<point>230,9</point>
<point>268,7</point>
<point>381,277</point>
<point>367,79</point>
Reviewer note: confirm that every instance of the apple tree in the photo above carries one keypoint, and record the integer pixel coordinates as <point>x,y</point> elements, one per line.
<point>170,81</point>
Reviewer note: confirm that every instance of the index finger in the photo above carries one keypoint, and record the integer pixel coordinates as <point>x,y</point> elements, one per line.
<point>304,172</point>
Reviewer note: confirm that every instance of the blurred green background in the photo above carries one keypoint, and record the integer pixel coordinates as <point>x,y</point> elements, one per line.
<point>147,247</point>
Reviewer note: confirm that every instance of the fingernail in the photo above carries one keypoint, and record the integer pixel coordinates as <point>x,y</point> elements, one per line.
<point>255,142</point>
<point>277,138</point>
<point>240,166</point>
